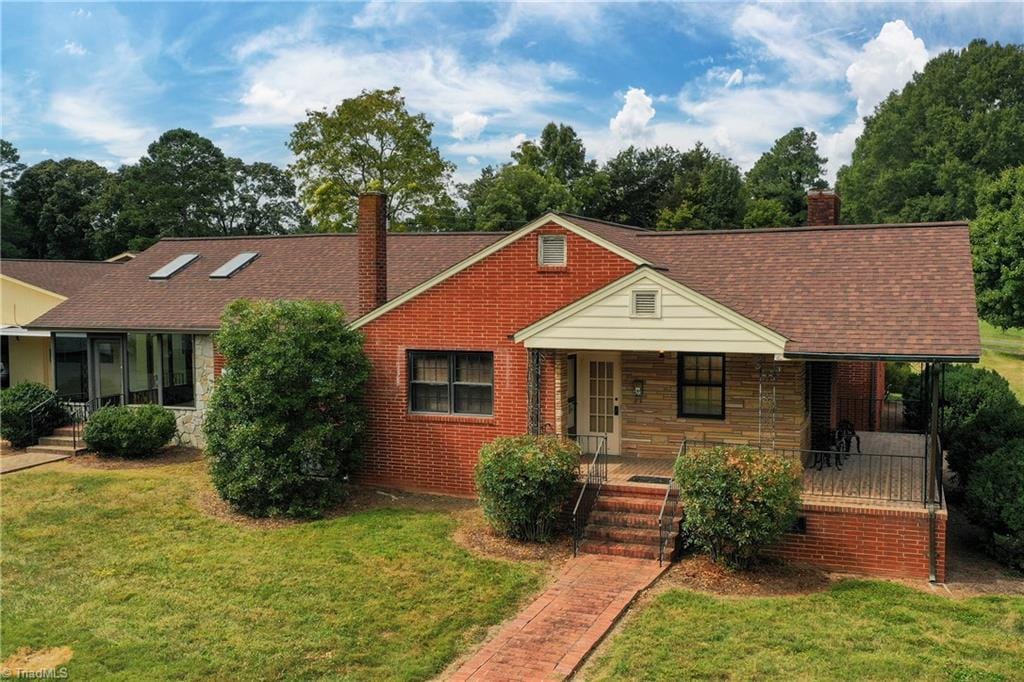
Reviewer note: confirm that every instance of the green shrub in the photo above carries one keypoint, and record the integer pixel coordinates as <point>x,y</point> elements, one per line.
<point>736,500</point>
<point>18,425</point>
<point>980,413</point>
<point>130,431</point>
<point>285,420</point>
<point>995,501</point>
<point>900,378</point>
<point>524,483</point>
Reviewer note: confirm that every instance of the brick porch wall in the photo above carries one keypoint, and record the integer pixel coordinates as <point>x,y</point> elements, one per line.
<point>872,541</point>
<point>862,384</point>
<point>650,427</point>
<point>477,309</point>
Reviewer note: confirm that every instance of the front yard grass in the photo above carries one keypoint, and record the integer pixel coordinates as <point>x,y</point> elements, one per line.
<point>123,568</point>
<point>1003,351</point>
<point>855,630</point>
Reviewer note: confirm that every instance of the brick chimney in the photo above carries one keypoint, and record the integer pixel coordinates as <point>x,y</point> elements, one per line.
<point>373,251</point>
<point>822,207</point>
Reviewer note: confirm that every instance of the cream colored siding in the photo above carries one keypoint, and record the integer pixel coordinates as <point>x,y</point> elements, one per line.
<point>687,322</point>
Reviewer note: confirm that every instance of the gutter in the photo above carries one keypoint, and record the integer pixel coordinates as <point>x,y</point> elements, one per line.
<point>891,357</point>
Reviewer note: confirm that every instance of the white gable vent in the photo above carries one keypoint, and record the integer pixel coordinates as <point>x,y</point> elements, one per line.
<point>551,249</point>
<point>179,263</point>
<point>645,303</point>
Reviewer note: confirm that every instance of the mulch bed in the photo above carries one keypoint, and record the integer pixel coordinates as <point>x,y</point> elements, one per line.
<point>169,455</point>
<point>767,578</point>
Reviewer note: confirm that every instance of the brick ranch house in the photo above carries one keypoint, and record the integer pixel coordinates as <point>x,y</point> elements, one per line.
<point>638,344</point>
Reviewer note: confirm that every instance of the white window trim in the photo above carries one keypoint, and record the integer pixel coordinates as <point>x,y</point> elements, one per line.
<point>657,303</point>
<point>540,250</point>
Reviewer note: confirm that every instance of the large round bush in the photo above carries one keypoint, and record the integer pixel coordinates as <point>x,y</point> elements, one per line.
<point>995,501</point>
<point>130,431</point>
<point>17,423</point>
<point>736,500</point>
<point>285,419</point>
<point>524,483</point>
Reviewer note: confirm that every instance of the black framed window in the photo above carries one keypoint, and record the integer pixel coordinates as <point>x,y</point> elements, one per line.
<point>701,385</point>
<point>442,382</point>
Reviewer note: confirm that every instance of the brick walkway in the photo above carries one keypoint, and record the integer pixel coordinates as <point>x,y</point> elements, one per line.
<point>550,638</point>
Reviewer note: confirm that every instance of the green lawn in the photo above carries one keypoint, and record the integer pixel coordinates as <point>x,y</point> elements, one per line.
<point>1003,351</point>
<point>856,630</point>
<point>123,568</point>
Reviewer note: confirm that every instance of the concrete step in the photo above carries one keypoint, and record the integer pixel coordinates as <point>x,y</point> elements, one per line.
<point>64,431</point>
<point>52,449</point>
<point>618,535</point>
<point>56,440</point>
<point>620,549</point>
<point>623,519</point>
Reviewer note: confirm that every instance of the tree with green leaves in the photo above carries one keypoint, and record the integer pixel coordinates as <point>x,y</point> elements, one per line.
<point>786,172</point>
<point>636,180</point>
<point>506,198</point>
<point>559,153</point>
<point>55,205</point>
<point>997,238</point>
<point>765,213</point>
<point>12,236</point>
<point>260,200</point>
<point>706,193</point>
<point>927,149</point>
<point>367,142</point>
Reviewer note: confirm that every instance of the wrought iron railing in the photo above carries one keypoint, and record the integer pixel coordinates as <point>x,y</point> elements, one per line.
<point>665,523</point>
<point>864,476</point>
<point>595,475</point>
<point>881,414</point>
<point>76,409</point>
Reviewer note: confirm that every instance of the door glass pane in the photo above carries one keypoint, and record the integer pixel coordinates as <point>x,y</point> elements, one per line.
<point>109,370</point>
<point>143,350</point>
<point>71,367</point>
<point>602,397</point>
<point>178,370</point>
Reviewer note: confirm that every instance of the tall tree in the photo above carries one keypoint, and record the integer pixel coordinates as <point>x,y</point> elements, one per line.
<point>367,142</point>
<point>926,150</point>
<point>559,153</point>
<point>505,198</point>
<point>12,234</point>
<point>637,180</point>
<point>997,237</point>
<point>55,205</point>
<point>706,193</point>
<point>261,200</point>
<point>787,171</point>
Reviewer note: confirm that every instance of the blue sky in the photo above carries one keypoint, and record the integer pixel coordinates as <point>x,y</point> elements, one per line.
<point>101,81</point>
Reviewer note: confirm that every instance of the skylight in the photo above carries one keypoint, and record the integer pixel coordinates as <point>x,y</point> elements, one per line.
<point>233,265</point>
<point>167,271</point>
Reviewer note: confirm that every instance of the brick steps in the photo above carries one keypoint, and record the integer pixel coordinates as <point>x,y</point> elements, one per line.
<point>61,442</point>
<point>624,522</point>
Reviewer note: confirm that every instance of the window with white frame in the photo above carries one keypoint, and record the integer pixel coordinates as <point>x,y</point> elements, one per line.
<point>551,250</point>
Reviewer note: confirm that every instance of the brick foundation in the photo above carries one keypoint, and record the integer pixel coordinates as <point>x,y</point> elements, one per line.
<point>881,542</point>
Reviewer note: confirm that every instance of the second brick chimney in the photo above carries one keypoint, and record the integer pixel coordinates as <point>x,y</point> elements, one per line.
<point>822,207</point>
<point>373,251</point>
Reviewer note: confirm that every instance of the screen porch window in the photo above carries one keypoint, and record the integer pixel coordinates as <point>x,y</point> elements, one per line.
<point>701,386</point>
<point>451,382</point>
<point>161,370</point>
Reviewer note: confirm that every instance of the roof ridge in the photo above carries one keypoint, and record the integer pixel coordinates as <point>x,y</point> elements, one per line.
<point>807,228</point>
<point>453,233</point>
<point>57,260</point>
<point>610,223</point>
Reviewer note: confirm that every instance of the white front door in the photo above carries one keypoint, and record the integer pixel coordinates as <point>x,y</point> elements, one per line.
<point>600,389</point>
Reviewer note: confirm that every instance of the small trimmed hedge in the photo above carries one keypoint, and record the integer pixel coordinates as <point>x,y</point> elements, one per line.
<point>995,501</point>
<point>525,482</point>
<point>16,422</point>
<point>736,500</point>
<point>128,431</point>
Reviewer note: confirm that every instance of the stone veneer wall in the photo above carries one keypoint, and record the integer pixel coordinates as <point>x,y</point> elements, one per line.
<point>190,420</point>
<point>650,427</point>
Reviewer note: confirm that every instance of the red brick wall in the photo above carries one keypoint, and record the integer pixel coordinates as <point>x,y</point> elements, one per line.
<point>218,364</point>
<point>477,309</point>
<point>859,390</point>
<point>882,542</point>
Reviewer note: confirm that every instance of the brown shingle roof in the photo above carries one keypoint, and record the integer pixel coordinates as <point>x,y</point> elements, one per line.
<point>857,290</point>
<point>63,277</point>
<point>321,267</point>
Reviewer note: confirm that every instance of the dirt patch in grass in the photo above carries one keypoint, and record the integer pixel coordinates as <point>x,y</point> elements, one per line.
<point>208,501</point>
<point>476,535</point>
<point>768,578</point>
<point>25,661</point>
<point>171,455</point>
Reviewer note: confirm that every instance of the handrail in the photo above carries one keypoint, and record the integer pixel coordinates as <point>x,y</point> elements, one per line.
<point>597,474</point>
<point>663,531</point>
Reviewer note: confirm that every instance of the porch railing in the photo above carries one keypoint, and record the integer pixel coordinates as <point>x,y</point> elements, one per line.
<point>665,518</point>
<point>77,409</point>
<point>595,475</point>
<point>881,414</point>
<point>863,476</point>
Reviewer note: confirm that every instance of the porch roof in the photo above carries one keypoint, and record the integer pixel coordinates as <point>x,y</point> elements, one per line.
<point>854,291</point>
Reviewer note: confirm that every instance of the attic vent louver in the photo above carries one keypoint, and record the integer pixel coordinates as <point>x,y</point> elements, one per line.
<point>644,303</point>
<point>179,263</point>
<point>234,265</point>
<point>551,249</point>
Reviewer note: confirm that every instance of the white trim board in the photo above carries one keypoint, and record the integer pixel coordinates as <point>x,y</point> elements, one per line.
<point>494,248</point>
<point>689,321</point>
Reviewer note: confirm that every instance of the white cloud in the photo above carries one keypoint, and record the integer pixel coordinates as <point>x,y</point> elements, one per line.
<point>735,78</point>
<point>384,14</point>
<point>277,37</point>
<point>88,116</point>
<point>468,125</point>
<point>496,147</point>
<point>885,63</point>
<point>582,22</point>
<point>472,160</point>
<point>81,12</point>
<point>287,81</point>
<point>637,111</point>
<point>74,49</point>
<point>807,54</point>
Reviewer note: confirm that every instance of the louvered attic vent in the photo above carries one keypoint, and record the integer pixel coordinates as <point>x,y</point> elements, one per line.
<point>172,268</point>
<point>234,265</point>
<point>644,303</point>
<point>552,249</point>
